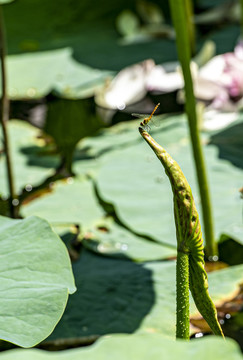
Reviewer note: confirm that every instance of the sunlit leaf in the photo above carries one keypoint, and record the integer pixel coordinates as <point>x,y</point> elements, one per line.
<point>36,278</point>
<point>138,347</point>
<point>224,285</point>
<point>72,201</point>
<point>34,75</point>
<point>31,165</point>
<point>133,181</point>
<point>80,81</point>
<point>113,240</point>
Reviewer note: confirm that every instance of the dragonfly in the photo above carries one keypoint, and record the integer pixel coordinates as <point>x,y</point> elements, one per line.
<point>147,118</point>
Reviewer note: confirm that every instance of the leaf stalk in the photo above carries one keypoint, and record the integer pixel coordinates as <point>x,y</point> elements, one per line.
<point>179,18</point>
<point>4,117</point>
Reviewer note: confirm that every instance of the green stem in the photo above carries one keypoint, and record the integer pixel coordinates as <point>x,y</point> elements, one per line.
<point>190,25</point>
<point>4,117</point>
<point>189,246</point>
<point>65,168</point>
<point>182,296</point>
<point>241,20</point>
<point>183,49</point>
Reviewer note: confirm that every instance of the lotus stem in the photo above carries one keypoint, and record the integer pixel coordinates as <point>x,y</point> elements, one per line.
<point>4,117</point>
<point>184,54</point>
<point>190,255</point>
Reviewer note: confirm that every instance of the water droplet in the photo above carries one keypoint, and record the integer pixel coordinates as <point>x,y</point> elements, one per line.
<point>15,202</point>
<point>70,180</point>
<point>213,258</point>
<point>124,247</point>
<point>13,92</point>
<point>198,335</point>
<point>28,187</point>
<point>227,316</point>
<point>51,185</point>
<point>221,321</point>
<point>121,106</point>
<point>31,92</point>
<point>101,248</point>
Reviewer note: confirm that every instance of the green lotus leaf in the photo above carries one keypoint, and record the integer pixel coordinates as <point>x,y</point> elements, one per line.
<point>89,30</point>
<point>34,75</point>
<point>71,201</point>
<point>138,347</point>
<point>80,81</point>
<point>121,296</point>
<point>111,239</point>
<point>31,165</point>
<point>36,278</point>
<point>133,181</point>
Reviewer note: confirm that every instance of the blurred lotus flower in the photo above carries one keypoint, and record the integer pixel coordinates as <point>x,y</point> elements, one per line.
<point>128,87</point>
<point>219,83</point>
<point>160,80</point>
<point>216,120</point>
<point>224,73</point>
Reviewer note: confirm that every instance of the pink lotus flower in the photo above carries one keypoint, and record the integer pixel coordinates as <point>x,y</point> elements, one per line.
<point>219,83</point>
<point>226,72</point>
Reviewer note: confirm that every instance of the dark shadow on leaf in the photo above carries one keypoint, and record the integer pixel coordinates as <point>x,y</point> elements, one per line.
<point>48,158</point>
<point>42,157</point>
<point>113,296</point>
<point>229,142</point>
<point>230,251</point>
<point>66,123</point>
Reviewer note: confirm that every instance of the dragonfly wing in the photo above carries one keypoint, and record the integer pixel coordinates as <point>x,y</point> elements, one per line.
<point>140,116</point>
